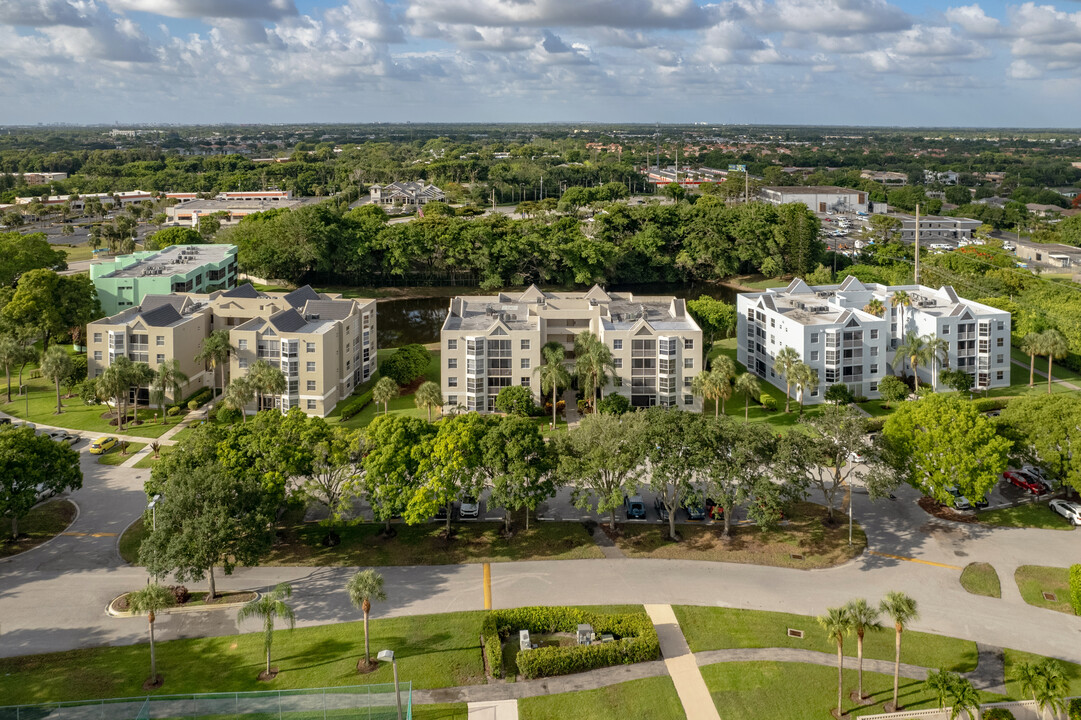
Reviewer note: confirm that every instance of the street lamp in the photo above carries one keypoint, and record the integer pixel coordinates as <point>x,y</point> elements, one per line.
<point>153,508</point>
<point>388,655</point>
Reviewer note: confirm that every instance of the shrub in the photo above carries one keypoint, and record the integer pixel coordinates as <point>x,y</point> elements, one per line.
<point>228,416</point>
<point>515,400</point>
<point>193,405</point>
<point>614,404</point>
<point>1075,589</point>
<point>355,404</point>
<point>88,391</point>
<point>839,394</point>
<point>173,410</point>
<point>768,402</point>
<point>180,594</point>
<point>998,713</point>
<point>988,404</point>
<point>874,424</point>
<point>1075,709</point>
<point>406,364</point>
<point>860,399</point>
<point>636,640</point>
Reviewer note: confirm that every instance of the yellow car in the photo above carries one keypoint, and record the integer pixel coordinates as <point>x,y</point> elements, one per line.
<point>102,445</point>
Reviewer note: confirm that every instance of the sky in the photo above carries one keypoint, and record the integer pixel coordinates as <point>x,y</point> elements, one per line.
<point>849,62</point>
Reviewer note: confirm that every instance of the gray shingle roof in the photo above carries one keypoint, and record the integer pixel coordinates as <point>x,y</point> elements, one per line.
<point>301,295</point>
<point>247,290</point>
<point>161,316</point>
<point>287,321</point>
<point>329,309</point>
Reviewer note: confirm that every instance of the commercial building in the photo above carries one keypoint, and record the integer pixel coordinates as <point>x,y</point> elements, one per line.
<point>40,178</point>
<point>124,281</point>
<point>232,206</point>
<point>324,345</point>
<point>936,227</point>
<point>833,333</point>
<point>819,198</point>
<point>1048,255</point>
<point>406,193</point>
<point>492,342</point>
<point>885,177</point>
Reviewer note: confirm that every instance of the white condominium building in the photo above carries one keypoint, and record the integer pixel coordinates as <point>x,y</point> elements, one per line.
<point>492,342</point>
<point>833,332</point>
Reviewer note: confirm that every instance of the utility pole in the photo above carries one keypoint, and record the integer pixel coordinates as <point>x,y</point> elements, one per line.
<point>746,185</point>
<point>677,163</point>
<point>917,243</point>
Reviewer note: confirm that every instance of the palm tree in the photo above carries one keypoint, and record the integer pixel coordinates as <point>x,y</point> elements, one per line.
<point>238,396</point>
<point>936,351</point>
<point>215,350</point>
<point>724,368</point>
<point>875,307</point>
<point>837,623</point>
<point>141,374</point>
<point>265,379</point>
<point>901,300</point>
<point>56,365</point>
<point>748,384</point>
<point>593,364</point>
<point>902,610</point>
<point>864,618</point>
<point>428,396</point>
<point>384,391</point>
<point>913,349</point>
<point>269,606</point>
<point>1032,345</point>
<point>170,381</point>
<point>10,356</point>
<point>115,383</point>
<point>965,698</point>
<point>1044,682</point>
<point>707,386</point>
<point>804,377</point>
<point>365,586</point>
<point>784,362</point>
<point>553,374</point>
<point>1053,345</point>
<point>150,600</point>
<point>940,682</point>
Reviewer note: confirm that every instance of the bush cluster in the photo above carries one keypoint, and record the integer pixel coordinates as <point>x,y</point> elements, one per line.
<point>406,364</point>
<point>1075,589</point>
<point>998,713</point>
<point>355,404</point>
<point>180,594</point>
<point>988,404</point>
<point>196,400</point>
<point>516,400</point>
<point>614,404</point>
<point>1075,709</point>
<point>768,402</point>
<point>636,640</point>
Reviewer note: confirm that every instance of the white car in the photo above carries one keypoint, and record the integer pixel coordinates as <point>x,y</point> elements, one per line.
<point>1069,510</point>
<point>856,457</point>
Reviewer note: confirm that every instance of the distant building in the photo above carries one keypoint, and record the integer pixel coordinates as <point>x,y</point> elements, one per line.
<point>1054,255</point>
<point>993,201</point>
<point>124,281</point>
<point>492,342</point>
<point>946,177</point>
<point>233,206</point>
<point>406,193</point>
<point>1044,210</point>
<point>829,328</point>
<point>936,227</point>
<point>819,198</point>
<point>685,177</point>
<point>40,178</point>
<point>889,179</point>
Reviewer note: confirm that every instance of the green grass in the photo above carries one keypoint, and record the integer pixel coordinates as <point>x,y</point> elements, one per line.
<point>981,579</point>
<point>758,282</point>
<point>1072,672</point>
<point>1029,515</point>
<point>150,460</point>
<point>448,711</point>
<point>798,691</point>
<point>401,405</point>
<point>649,699</point>
<point>130,540</point>
<point>113,457</point>
<point>42,523</point>
<point>1034,580</point>
<point>1057,370</point>
<point>712,628</point>
<point>432,651</point>
<point>76,253</point>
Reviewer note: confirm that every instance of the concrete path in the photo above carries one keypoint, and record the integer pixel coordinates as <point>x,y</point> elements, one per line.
<point>192,418</point>
<point>811,657</point>
<point>1043,374</point>
<point>990,672</point>
<point>493,710</point>
<point>610,549</point>
<point>690,685</point>
<point>497,690</point>
<point>570,400</point>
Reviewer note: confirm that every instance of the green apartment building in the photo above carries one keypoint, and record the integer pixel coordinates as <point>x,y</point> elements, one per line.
<point>124,281</point>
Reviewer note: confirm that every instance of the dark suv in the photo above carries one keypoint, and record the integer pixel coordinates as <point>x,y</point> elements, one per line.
<point>635,507</point>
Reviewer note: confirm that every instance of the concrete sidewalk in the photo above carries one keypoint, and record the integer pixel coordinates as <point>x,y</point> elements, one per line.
<point>493,710</point>
<point>690,686</point>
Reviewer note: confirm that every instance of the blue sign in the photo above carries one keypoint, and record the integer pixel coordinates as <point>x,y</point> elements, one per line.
<point>737,168</point>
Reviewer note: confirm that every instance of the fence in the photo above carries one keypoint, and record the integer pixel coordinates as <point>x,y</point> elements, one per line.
<point>1022,710</point>
<point>359,702</point>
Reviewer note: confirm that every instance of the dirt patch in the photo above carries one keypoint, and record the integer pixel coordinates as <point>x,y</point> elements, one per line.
<point>364,668</point>
<point>932,507</point>
<point>154,683</point>
<point>268,676</point>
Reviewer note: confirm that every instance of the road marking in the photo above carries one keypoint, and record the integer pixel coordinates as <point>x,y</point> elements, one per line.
<point>915,560</point>
<point>82,534</point>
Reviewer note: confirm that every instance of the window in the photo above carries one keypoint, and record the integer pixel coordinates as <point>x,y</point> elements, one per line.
<point>311,404</point>
<point>998,359</point>
<point>998,342</point>
<point>945,329</point>
<point>525,363</point>
<point>97,354</point>
<point>242,344</point>
<point>452,363</point>
<point>310,366</point>
<point>452,344</point>
<point>814,337</point>
<point>998,375</point>
<point>814,356</point>
<point>617,362</point>
<point>687,381</point>
<point>874,351</point>
<point>159,358</point>
<point>525,345</point>
<point>452,381</point>
<point>310,386</point>
<point>310,346</point>
<point>773,322</point>
<point>874,334</point>
<point>873,386</point>
<point>688,400</point>
<point>617,344</point>
<point>525,382</point>
<point>1001,327</point>
<point>874,369</point>
<point>159,340</point>
<point>243,363</point>
<point>688,362</point>
<point>688,343</point>
<point>97,337</point>
<point>452,400</point>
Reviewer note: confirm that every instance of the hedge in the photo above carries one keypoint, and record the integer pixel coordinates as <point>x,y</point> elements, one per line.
<point>998,713</point>
<point>1075,589</point>
<point>874,424</point>
<point>355,404</point>
<point>1075,709</point>
<point>988,404</point>
<point>199,397</point>
<point>636,640</point>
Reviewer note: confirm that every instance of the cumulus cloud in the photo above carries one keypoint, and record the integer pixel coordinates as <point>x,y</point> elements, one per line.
<point>973,20</point>
<point>265,9</point>
<point>45,13</point>
<point>645,14</point>
<point>826,17</point>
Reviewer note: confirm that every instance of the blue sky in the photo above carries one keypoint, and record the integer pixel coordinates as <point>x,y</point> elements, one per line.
<point>969,63</point>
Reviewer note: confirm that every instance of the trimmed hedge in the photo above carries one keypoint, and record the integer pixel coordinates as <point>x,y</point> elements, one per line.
<point>1075,709</point>
<point>988,404</point>
<point>874,424</point>
<point>636,640</point>
<point>998,713</point>
<point>355,404</point>
<point>1075,589</point>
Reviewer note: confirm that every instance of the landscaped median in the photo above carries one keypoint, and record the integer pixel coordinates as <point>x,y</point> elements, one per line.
<point>981,579</point>
<point>185,601</point>
<point>41,524</point>
<point>1048,587</point>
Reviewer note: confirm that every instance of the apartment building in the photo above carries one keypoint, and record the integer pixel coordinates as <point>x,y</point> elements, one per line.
<point>125,280</point>
<point>492,342</point>
<point>325,345</point>
<point>833,333</point>
<point>934,227</point>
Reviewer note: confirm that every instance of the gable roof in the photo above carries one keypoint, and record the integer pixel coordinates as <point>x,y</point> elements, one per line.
<point>152,302</point>
<point>161,316</point>
<point>597,293</point>
<point>288,320</point>
<point>301,295</point>
<point>852,283</point>
<point>797,286</point>
<point>329,309</point>
<point>247,290</point>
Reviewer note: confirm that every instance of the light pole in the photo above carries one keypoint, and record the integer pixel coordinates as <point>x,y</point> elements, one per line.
<point>388,655</point>
<point>153,507</point>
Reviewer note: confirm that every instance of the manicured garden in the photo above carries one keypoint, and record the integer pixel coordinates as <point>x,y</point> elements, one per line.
<point>981,579</point>
<point>803,535</point>
<point>1029,515</point>
<point>404,404</point>
<point>649,699</point>
<point>42,523</point>
<point>1035,580</point>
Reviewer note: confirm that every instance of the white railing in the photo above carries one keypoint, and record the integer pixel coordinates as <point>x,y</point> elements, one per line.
<point>1021,709</point>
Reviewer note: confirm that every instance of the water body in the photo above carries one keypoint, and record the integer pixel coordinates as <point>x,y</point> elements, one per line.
<point>419,320</point>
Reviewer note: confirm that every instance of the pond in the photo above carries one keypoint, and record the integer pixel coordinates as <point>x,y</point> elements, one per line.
<point>419,320</point>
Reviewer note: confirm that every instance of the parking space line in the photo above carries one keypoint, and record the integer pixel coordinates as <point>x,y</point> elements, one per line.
<point>915,560</point>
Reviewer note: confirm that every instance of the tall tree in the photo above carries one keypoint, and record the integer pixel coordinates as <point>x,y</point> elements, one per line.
<point>115,383</point>
<point>429,396</point>
<point>519,466</point>
<point>553,373</point>
<point>1052,344</point>
<point>804,377</point>
<point>940,682</point>
<point>450,465</point>
<point>391,467</point>
<point>837,623</point>
<point>1047,429</point>
<point>875,307</point>
<point>717,319</point>
<point>336,454</point>
<point>31,463</point>
<point>384,391</point>
<point>936,350</point>
<point>593,365</point>
<point>265,379</point>
<point>141,375</point>
<point>676,453</point>
<point>901,300</point>
<point>215,351</point>
<point>784,363</point>
<point>55,365</point>
<point>747,383</point>
<point>903,611</point>
<point>965,698</point>
<point>737,465</point>
<point>914,349</point>
<point>268,607</point>
<point>150,600</point>
<point>364,587</point>
<point>864,617</point>
<point>169,381</point>
<point>10,355</point>
<point>1032,345</point>
<point>707,385</point>
<point>598,460</point>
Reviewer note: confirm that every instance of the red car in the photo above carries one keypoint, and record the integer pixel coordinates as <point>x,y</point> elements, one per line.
<point>1025,481</point>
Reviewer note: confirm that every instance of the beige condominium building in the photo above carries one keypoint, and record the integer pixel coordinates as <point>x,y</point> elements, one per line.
<point>324,345</point>
<point>492,342</point>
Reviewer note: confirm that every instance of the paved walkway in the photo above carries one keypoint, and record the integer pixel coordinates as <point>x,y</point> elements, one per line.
<point>1043,374</point>
<point>610,549</point>
<point>990,672</point>
<point>681,665</point>
<point>811,657</point>
<point>493,710</point>
<point>192,418</point>
<point>570,412</point>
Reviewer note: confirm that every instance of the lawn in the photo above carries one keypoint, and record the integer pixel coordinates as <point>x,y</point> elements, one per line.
<point>130,540</point>
<point>1034,580</point>
<point>804,534</point>
<point>149,460</point>
<point>981,579</point>
<point>114,457</point>
<point>401,405</point>
<point>76,253</point>
<point>798,691</point>
<point>451,711</point>
<point>712,628</point>
<point>1029,515</point>
<point>1057,370</point>
<point>649,699</point>
<point>1015,657</point>
<point>42,523</point>
<point>432,651</point>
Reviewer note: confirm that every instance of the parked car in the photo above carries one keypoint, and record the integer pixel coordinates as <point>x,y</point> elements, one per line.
<point>982,502</point>
<point>63,436</point>
<point>662,511</point>
<point>42,493</point>
<point>441,513</point>
<point>1067,509</point>
<point>856,457</point>
<point>469,508</point>
<point>960,502</point>
<point>713,510</point>
<point>694,511</point>
<point>1040,476</point>
<point>635,507</point>
<point>102,445</point>
<point>1023,480</point>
